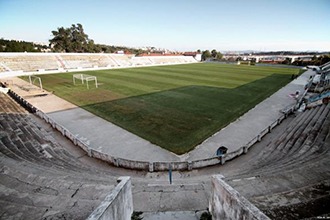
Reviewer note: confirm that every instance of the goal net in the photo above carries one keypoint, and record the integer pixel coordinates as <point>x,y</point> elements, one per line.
<point>84,78</point>
<point>33,78</point>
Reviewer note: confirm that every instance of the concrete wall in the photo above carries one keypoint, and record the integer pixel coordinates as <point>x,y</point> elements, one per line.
<point>227,203</point>
<point>118,205</point>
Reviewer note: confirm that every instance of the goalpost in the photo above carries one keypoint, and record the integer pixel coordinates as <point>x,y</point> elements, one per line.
<point>33,78</point>
<point>84,78</point>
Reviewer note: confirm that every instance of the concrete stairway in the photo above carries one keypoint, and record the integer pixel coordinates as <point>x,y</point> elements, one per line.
<point>40,179</point>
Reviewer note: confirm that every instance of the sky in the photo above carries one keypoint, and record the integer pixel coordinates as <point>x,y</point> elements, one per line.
<point>180,25</point>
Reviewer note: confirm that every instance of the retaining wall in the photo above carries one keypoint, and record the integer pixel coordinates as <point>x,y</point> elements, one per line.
<point>227,203</point>
<point>117,205</point>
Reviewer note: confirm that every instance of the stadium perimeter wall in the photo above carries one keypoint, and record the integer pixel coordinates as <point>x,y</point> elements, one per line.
<point>147,165</point>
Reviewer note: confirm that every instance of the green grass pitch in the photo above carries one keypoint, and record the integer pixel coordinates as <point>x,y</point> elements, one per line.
<point>176,107</point>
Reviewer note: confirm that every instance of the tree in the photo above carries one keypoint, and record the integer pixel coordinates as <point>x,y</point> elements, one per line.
<point>199,51</point>
<point>325,58</point>
<point>71,39</point>
<point>18,46</point>
<point>206,54</point>
<point>287,61</point>
<point>214,53</point>
<point>219,56</point>
<point>61,40</point>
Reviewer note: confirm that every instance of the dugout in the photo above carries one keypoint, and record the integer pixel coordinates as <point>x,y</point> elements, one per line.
<point>221,151</point>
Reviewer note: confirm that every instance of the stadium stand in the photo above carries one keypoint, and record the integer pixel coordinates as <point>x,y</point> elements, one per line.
<point>29,63</point>
<point>39,178</point>
<point>122,60</point>
<point>142,61</point>
<point>321,81</point>
<point>300,150</point>
<point>3,68</point>
<point>75,62</point>
<point>57,62</point>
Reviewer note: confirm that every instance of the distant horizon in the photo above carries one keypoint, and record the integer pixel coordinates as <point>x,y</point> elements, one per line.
<point>186,25</point>
<point>224,51</point>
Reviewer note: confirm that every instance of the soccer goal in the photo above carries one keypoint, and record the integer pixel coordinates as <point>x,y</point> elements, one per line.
<point>33,78</point>
<point>84,78</point>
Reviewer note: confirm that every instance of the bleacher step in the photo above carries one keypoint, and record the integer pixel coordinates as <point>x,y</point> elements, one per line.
<point>181,215</point>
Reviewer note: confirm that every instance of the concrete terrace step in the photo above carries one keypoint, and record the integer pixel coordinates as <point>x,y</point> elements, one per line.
<point>282,138</point>
<point>40,153</point>
<point>179,215</point>
<point>294,138</point>
<point>52,165</point>
<point>35,195</point>
<point>9,106</point>
<point>300,151</point>
<point>306,198</point>
<point>32,173</point>
<point>306,136</point>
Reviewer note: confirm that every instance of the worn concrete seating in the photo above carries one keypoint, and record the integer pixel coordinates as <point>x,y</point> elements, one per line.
<point>86,61</point>
<point>2,69</point>
<point>40,179</point>
<point>29,63</point>
<point>122,60</point>
<point>142,61</point>
<point>36,62</point>
<point>288,174</point>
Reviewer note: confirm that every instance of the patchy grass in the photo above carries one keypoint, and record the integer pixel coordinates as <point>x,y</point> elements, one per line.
<point>175,107</point>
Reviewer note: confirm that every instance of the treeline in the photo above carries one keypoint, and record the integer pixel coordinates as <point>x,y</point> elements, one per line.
<point>20,46</point>
<point>285,53</point>
<point>316,61</point>
<point>102,48</point>
<point>214,54</point>
<point>74,39</point>
<point>70,40</point>
<point>24,46</point>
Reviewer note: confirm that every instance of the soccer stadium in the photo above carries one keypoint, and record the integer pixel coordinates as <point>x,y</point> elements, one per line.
<point>62,159</point>
<point>94,131</point>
